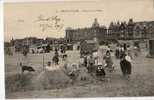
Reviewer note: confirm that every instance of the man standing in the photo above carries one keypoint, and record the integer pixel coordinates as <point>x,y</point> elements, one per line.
<point>55,58</point>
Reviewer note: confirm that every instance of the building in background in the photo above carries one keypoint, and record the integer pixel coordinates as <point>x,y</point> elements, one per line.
<point>75,35</point>
<point>116,31</point>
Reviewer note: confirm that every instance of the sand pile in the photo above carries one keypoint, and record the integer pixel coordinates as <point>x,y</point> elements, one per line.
<point>46,79</point>
<point>83,74</point>
<point>51,79</point>
<point>19,82</point>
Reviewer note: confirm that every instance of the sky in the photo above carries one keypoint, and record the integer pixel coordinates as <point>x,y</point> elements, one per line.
<point>20,19</point>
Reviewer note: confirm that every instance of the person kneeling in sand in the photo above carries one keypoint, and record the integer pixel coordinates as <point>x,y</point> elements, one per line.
<point>51,67</point>
<point>48,67</point>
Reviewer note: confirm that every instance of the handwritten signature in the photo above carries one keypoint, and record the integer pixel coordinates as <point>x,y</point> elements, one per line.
<point>53,22</point>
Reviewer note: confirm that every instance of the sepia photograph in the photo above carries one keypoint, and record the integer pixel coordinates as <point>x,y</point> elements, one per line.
<point>78,49</point>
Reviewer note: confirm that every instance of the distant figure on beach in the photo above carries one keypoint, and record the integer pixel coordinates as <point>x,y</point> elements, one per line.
<point>117,52</point>
<point>125,46</point>
<point>136,51</point>
<point>85,61</point>
<point>121,52</point>
<point>56,52</point>
<point>25,50</point>
<point>91,62</point>
<point>55,58</point>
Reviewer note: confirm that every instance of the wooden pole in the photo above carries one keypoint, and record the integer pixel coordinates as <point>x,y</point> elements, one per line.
<point>43,59</point>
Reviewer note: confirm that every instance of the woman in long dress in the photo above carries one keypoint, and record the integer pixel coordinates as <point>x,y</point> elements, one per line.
<point>91,62</point>
<point>126,66</point>
<point>108,61</point>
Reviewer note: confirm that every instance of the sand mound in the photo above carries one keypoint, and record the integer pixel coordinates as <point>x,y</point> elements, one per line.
<point>83,74</point>
<point>51,79</point>
<point>36,81</point>
<point>18,82</point>
<point>43,80</point>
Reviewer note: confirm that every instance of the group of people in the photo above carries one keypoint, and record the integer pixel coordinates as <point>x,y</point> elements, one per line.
<point>56,56</point>
<point>55,62</point>
<point>97,62</point>
<point>100,62</point>
<point>132,50</point>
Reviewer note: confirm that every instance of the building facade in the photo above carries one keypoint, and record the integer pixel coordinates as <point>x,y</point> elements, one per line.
<point>116,31</point>
<point>74,35</point>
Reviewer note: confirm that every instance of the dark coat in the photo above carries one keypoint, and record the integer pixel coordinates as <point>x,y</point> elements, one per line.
<point>55,59</point>
<point>125,67</point>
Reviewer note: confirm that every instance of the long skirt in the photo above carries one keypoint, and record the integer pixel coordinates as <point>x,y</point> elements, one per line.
<point>126,67</point>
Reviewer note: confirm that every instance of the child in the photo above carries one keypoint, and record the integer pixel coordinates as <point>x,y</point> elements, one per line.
<point>100,73</point>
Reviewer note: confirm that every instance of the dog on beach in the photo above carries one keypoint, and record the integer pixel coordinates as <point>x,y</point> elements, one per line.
<point>26,68</point>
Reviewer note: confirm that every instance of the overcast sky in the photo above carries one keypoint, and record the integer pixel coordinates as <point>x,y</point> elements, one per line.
<point>19,18</point>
